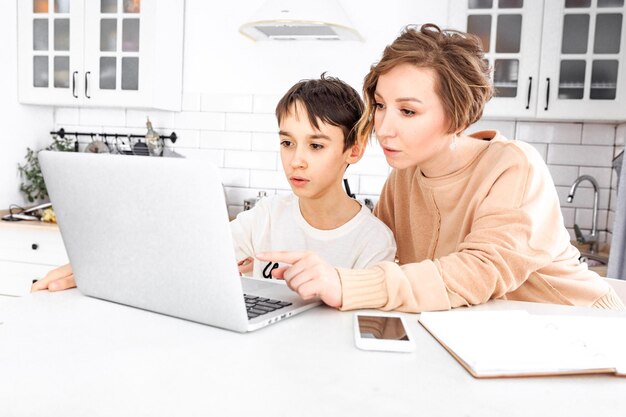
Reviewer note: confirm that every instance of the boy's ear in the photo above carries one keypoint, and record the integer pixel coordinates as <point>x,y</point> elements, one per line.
<point>355,153</point>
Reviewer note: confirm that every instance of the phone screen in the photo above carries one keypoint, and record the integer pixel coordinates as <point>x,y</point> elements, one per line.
<point>381,328</point>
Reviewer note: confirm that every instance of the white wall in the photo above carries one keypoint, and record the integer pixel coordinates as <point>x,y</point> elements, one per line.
<point>20,126</point>
<point>217,60</point>
<point>231,86</point>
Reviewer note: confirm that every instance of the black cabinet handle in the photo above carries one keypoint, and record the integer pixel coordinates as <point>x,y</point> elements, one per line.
<point>74,84</point>
<point>547,93</point>
<point>530,86</point>
<point>87,84</point>
<point>34,246</point>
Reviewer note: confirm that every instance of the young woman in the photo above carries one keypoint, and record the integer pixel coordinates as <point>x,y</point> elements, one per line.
<point>475,217</point>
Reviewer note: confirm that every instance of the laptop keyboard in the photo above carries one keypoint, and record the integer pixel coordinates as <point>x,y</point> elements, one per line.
<point>257,306</point>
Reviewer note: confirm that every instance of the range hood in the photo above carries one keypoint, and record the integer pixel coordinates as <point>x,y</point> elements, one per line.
<point>300,20</point>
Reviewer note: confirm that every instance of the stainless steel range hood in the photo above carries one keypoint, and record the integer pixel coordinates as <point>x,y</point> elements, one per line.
<point>300,20</point>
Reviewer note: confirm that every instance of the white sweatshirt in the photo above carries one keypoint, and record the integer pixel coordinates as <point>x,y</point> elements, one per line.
<point>276,223</point>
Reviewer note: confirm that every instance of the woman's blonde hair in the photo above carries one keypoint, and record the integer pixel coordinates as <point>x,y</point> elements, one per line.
<point>462,74</point>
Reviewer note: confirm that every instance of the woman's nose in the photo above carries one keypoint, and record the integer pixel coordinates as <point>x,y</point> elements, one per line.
<point>383,125</point>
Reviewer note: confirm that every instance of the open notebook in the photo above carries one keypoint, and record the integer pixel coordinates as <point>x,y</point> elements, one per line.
<point>491,344</point>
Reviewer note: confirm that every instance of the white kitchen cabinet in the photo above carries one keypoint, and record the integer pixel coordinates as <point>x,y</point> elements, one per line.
<point>122,53</point>
<point>553,59</point>
<point>28,250</point>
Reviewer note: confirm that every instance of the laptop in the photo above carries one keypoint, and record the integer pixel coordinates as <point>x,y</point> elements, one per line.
<point>153,233</point>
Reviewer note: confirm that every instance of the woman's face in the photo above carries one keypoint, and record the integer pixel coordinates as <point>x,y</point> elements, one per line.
<point>409,119</point>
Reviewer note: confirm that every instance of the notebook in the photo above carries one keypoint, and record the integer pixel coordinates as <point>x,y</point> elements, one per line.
<point>491,344</point>
<point>153,233</point>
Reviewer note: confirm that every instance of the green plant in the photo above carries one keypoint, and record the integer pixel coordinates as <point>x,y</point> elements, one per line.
<point>33,185</point>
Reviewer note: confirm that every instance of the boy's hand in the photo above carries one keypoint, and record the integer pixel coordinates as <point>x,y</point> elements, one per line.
<point>58,279</point>
<point>309,275</point>
<point>245,265</point>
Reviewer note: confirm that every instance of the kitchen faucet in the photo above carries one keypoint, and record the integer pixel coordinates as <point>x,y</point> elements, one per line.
<point>592,238</point>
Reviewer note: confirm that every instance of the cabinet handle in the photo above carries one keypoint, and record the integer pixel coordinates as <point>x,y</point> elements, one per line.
<point>34,246</point>
<point>74,84</point>
<point>547,93</point>
<point>87,84</point>
<point>530,86</point>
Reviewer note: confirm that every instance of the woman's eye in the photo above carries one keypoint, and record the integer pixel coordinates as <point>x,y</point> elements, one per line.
<point>285,143</point>
<point>317,146</point>
<point>379,106</point>
<point>407,112</point>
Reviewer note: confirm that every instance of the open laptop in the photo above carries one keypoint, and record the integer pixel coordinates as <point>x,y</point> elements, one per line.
<point>153,233</point>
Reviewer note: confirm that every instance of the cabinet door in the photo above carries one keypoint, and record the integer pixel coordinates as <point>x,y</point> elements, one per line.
<point>50,51</point>
<point>582,58</point>
<point>118,52</point>
<point>509,31</point>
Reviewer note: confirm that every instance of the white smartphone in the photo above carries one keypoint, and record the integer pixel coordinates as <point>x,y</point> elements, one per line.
<point>382,331</point>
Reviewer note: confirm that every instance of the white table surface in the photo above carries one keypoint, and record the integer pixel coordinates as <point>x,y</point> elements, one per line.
<point>64,354</point>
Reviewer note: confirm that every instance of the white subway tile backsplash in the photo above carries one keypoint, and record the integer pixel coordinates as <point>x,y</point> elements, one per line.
<point>240,122</point>
<point>583,198</point>
<point>598,134</point>
<point>584,218</point>
<point>373,148</point>
<point>620,135</point>
<point>569,214</point>
<point>200,120</point>
<point>610,221</point>
<point>191,101</point>
<point>544,132</point>
<point>251,160</point>
<point>186,139</point>
<point>227,103</point>
<point>66,116</point>
<point>265,142</point>
<point>370,165</point>
<point>236,195</point>
<point>563,174</point>
<point>602,175</point>
<point>505,127</point>
<point>354,182</point>
<point>265,103</point>
<point>213,155</point>
<point>269,179</point>
<point>235,177</point>
<point>225,140</point>
<point>102,117</point>
<point>582,155</point>
<point>159,119</point>
<point>371,184</point>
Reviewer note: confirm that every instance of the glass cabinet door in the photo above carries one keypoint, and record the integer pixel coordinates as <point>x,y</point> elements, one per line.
<point>115,52</point>
<point>508,30</point>
<point>50,35</point>
<point>583,71</point>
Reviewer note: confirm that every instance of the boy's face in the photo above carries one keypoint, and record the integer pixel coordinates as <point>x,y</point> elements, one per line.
<point>313,160</point>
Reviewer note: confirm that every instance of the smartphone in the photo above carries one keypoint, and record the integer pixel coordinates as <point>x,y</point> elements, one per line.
<point>384,332</point>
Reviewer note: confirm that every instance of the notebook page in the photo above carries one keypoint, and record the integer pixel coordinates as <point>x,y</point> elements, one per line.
<point>503,343</point>
<point>606,335</point>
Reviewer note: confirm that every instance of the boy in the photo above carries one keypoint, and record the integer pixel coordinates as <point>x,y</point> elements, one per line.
<point>317,120</point>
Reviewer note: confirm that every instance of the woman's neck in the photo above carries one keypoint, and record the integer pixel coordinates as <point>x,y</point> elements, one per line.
<point>448,161</point>
<point>330,211</point>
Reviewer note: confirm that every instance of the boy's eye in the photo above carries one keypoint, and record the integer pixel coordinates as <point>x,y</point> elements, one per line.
<point>285,143</point>
<point>317,146</point>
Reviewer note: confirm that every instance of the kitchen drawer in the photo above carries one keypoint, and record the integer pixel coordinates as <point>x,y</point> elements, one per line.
<point>16,278</point>
<point>32,244</point>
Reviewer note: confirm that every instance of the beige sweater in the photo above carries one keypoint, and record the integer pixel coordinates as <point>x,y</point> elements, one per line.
<point>493,229</point>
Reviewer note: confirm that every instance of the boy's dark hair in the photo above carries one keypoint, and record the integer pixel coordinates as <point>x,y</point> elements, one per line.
<point>327,99</point>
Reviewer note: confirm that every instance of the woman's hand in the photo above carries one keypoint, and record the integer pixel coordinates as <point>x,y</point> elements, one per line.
<point>309,275</point>
<point>58,279</point>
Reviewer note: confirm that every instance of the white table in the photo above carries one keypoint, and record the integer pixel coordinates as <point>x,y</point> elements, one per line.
<point>65,354</point>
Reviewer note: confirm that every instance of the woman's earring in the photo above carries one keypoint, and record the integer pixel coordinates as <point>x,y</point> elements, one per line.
<point>453,143</point>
